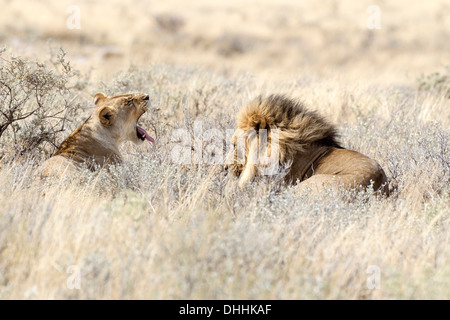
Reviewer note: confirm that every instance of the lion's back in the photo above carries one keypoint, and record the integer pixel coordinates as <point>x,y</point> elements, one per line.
<point>363,170</point>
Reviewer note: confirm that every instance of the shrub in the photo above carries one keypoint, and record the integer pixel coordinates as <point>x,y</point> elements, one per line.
<point>436,82</point>
<point>36,102</point>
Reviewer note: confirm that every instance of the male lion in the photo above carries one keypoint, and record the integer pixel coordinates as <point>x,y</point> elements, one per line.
<point>96,142</point>
<point>304,143</point>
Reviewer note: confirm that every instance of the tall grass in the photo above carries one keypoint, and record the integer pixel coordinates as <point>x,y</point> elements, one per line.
<point>152,229</point>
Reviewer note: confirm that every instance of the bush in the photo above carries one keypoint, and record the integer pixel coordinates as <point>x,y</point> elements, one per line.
<point>436,82</point>
<point>36,102</point>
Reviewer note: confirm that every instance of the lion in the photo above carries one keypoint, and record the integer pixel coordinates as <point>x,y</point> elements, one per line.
<point>300,142</point>
<point>96,142</point>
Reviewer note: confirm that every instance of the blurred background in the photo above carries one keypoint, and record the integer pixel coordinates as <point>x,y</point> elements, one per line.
<point>272,39</point>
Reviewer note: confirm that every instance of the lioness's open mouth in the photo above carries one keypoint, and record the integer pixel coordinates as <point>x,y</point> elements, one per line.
<point>143,135</point>
<point>140,132</point>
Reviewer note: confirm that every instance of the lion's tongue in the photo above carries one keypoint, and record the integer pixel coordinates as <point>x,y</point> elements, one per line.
<point>144,133</point>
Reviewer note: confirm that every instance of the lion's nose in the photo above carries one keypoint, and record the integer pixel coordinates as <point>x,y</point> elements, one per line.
<point>146,97</point>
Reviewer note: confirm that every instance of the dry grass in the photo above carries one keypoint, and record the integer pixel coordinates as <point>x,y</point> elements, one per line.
<point>152,229</point>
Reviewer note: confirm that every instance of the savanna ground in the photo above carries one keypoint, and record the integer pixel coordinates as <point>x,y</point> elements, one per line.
<point>154,229</point>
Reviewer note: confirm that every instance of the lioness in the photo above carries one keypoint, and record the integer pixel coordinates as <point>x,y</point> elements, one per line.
<point>96,142</point>
<point>306,145</point>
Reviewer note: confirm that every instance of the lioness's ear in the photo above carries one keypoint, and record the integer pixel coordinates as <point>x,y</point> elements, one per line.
<point>107,115</point>
<point>98,97</point>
